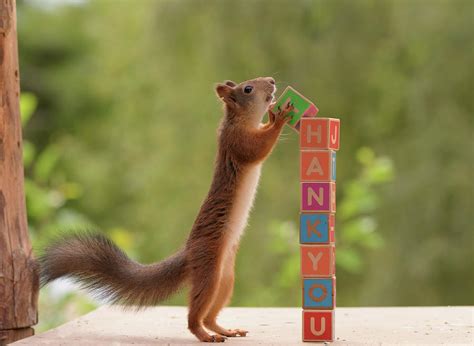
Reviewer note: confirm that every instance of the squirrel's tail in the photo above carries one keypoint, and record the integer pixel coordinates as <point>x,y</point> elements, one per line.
<point>100,267</point>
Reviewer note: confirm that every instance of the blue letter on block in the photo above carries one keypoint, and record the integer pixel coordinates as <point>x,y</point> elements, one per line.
<point>314,228</point>
<point>318,293</point>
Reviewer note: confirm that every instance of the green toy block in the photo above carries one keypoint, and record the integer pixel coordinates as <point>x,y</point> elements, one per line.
<point>303,107</point>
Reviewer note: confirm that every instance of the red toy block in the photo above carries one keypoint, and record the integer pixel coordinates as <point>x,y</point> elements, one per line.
<point>318,260</point>
<point>318,165</point>
<point>318,197</point>
<point>318,325</point>
<point>319,133</point>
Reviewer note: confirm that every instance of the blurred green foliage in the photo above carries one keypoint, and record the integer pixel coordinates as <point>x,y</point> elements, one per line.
<point>46,185</point>
<point>47,193</point>
<point>123,136</point>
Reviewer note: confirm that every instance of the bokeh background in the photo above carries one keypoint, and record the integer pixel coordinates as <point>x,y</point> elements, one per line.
<point>120,115</point>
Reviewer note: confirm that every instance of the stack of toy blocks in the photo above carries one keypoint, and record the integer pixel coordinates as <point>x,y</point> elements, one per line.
<point>319,140</point>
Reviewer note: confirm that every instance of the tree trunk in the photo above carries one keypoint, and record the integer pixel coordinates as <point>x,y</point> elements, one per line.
<point>18,277</point>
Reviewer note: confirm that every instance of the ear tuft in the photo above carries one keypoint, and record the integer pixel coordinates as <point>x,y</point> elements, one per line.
<point>230,83</point>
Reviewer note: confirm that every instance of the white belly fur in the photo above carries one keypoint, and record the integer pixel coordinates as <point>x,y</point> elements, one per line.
<point>244,198</point>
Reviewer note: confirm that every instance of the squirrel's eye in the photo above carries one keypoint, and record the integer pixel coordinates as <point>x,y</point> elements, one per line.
<point>248,89</point>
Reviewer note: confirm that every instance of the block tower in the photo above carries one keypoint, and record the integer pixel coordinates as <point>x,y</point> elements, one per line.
<point>319,141</point>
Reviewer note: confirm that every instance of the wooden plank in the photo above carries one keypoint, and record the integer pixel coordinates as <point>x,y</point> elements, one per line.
<point>12,335</point>
<point>167,325</point>
<point>18,281</point>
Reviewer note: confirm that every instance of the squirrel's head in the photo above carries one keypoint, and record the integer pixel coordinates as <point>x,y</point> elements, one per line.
<point>248,100</point>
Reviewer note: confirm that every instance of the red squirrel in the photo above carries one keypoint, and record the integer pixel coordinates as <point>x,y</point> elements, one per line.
<point>206,262</point>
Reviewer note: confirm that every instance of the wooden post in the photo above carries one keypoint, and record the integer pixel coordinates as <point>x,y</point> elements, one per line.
<point>18,277</point>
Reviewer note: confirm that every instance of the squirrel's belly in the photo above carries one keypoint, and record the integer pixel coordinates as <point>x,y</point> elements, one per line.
<point>244,198</point>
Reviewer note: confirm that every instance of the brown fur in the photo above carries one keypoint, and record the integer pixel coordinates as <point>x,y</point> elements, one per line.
<point>208,258</point>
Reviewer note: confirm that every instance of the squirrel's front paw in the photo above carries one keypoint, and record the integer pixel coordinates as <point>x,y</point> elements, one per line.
<point>271,114</point>
<point>283,114</point>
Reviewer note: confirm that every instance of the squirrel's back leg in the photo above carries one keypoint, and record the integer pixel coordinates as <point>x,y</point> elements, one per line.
<point>222,298</point>
<point>205,281</point>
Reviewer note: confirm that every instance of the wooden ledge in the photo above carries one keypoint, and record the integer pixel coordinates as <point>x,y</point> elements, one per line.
<point>167,325</point>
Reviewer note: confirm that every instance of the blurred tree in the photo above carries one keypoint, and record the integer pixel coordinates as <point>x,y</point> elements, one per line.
<point>356,234</point>
<point>47,191</point>
<point>46,185</point>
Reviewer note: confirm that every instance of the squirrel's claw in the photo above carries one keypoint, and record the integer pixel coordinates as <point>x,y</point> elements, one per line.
<point>271,116</point>
<point>217,338</point>
<point>288,107</point>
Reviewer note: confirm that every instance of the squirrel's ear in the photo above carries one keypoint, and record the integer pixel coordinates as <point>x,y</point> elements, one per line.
<point>230,83</point>
<point>225,93</point>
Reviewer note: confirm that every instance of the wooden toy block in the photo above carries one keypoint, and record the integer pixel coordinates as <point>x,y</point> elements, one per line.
<point>318,260</point>
<point>319,133</point>
<point>318,197</point>
<point>318,325</point>
<point>318,165</point>
<point>319,293</point>
<point>317,228</point>
<point>303,106</point>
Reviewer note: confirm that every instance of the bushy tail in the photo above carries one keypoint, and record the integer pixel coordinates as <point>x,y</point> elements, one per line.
<point>96,263</point>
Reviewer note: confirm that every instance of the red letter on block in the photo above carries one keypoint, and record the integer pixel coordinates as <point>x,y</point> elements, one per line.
<point>334,125</point>
<point>318,325</point>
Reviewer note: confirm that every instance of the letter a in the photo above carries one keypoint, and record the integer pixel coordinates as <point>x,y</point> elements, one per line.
<point>316,133</point>
<point>312,195</point>
<point>321,330</point>
<point>314,167</point>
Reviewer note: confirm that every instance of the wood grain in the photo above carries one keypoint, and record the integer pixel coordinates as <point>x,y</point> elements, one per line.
<point>166,325</point>
<point>18,279</point>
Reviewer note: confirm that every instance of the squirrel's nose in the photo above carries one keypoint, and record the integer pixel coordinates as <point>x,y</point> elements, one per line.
<point>271,80</point>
